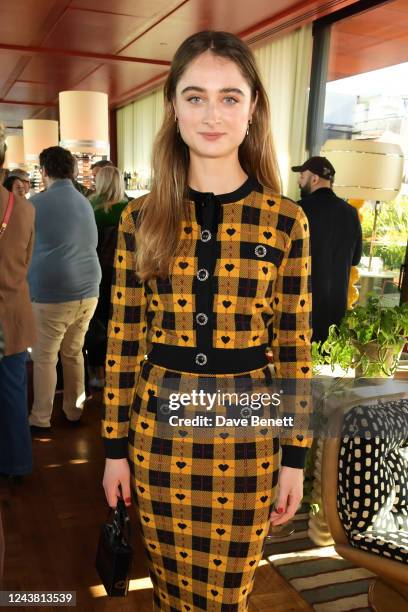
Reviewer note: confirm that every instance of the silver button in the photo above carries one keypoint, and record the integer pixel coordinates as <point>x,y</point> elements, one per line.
<point>260,250</point>
<point>165,409</point>
<point>205,235</point>
<point>202,274</point>
<point>201,359</point>
<point>201,318</point>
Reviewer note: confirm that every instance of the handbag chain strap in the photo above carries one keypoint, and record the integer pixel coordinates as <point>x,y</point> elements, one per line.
<point>7,214</point>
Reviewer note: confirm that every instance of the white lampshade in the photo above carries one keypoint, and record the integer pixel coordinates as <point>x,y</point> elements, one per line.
<point>38,134</point>
<point>84,121</point>
<point>15,152</point>
<point>365,169</point>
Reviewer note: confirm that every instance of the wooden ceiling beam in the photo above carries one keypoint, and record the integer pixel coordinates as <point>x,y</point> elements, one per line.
<point>100,57</point>
<point>26,103</point>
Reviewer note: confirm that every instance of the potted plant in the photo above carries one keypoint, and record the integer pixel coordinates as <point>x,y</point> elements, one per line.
<point>369,339</point>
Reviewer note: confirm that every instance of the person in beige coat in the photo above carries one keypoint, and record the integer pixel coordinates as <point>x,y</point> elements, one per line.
<point>17,321</point>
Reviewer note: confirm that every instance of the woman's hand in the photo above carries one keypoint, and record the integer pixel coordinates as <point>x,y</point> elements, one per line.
<point>289,496</point>
<point>117,473</point>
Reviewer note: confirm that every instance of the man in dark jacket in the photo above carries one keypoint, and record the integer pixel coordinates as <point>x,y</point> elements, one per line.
<point>336,243</point>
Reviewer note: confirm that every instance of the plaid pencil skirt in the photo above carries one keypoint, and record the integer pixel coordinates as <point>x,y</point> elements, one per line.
<point>203,496</point>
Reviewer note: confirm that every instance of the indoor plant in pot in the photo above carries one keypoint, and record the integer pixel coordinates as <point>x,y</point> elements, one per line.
<point>369,338</point>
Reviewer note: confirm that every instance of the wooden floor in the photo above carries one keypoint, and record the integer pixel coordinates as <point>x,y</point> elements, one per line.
<point>51,523</point>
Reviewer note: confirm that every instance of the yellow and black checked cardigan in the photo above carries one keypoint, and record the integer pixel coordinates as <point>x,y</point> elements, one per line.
<point>240,281</point>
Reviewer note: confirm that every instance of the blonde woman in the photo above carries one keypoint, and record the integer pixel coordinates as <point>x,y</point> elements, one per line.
<point>211,267</point>
<point>108,202</point>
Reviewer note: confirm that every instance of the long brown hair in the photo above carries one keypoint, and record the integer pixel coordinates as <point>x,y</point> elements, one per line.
<point>161,213</point>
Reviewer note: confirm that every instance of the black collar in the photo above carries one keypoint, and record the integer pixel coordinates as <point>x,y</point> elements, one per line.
<point>321,191</point>
<point>251,184</point>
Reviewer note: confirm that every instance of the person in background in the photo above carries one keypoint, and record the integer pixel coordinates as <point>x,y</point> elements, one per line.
<point>2,543</point>
<point>4,172</point>
<point>24,178</point>
<point>17,322</point>
<point>103,163</point>
<point>336,243</point>
<point>15,185</point>
<point>78,186</point>
<point>108,203</point>
<point>64,281</point>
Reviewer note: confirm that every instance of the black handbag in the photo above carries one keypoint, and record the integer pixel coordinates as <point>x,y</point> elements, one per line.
<point>114,554</point>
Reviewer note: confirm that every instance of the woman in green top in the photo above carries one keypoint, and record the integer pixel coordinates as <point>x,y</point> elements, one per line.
<point>108,202</point>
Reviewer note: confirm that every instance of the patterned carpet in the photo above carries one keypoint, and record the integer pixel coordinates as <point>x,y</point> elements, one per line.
<point>325,580</point>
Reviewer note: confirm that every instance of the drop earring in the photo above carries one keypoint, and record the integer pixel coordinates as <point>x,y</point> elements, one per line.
<point>248,126</point>
<point>177,125</point>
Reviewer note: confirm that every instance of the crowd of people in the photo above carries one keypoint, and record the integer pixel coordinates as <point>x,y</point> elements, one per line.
<point>56,259</point>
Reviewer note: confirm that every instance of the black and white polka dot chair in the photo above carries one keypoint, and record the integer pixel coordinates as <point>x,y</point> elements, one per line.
<point>365,494</point>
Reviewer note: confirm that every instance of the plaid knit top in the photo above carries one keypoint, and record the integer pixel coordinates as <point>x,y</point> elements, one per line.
<point>240,281</point>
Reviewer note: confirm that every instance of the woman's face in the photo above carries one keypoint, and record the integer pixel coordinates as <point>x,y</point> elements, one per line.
<point>213,105</point>
<point>18,188</point>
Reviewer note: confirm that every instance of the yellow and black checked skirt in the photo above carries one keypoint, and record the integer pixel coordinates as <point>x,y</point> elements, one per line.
<point>203,497</point>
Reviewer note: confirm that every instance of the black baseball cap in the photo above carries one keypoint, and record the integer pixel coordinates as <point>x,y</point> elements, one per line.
<point>317,165</point>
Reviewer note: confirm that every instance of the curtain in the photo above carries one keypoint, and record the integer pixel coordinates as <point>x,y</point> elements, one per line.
<point>285,68</point>
<point>137,125</point>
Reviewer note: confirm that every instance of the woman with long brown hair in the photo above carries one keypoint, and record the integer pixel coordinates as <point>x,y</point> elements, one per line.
<point>211,268</point>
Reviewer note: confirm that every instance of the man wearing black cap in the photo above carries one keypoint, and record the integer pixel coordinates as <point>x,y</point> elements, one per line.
<point>336,242</point>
